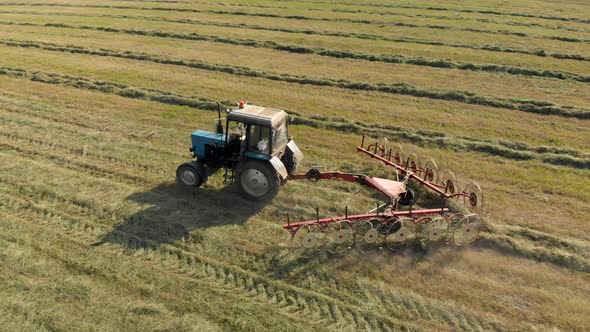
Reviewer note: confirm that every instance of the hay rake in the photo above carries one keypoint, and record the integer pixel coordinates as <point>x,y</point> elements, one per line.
<point>394,228</point>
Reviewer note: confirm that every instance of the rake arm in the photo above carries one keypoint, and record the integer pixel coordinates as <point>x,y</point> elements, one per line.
<point>390,188</point>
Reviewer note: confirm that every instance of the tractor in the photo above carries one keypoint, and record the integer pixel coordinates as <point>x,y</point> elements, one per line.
<point>254,149</point>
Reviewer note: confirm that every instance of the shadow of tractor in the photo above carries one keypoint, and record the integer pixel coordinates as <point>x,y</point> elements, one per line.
<point>173,212</point>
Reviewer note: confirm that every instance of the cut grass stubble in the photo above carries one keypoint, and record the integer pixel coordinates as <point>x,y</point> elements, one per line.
<point>518,151</point>
<point>375,57</point>
<point>532,106</point>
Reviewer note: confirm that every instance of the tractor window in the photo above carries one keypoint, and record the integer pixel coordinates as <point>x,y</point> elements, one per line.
<point>236,130</point>
<point>280,136</point>
<point>259,140</point>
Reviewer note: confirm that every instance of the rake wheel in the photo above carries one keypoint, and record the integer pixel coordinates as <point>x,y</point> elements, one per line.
<point>309,239</point>
<point>448,180</point>
<point>398,154</point>
<point>466,229</point>
<point>367,235</point>
<point>475,201</point>
<point>430,170</point>
<point>412,162</point>
<point>434,230</point>
<point>400,233</point>
<point>340,237</point>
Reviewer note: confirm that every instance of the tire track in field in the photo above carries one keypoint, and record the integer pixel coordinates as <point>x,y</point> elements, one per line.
<point>436,63</point>
<point>381,12</point>
<point>468,19</point>
<point>94,121</point>
<point>509,150</point>
<point>511,246</point>
<point>485,12</point>
<point>568,254</point>
<point>211,3</point>
<point>310,303</point>
<point>75,165</point>
<point>75,151</point>
<point>400,88</point>
<point>308,18</point>
<point>335,53</point>
<point>341,54</point>
<point>21,116</point>
<point>547,240</point>
<point>415,307</point>
<point>439,139</point>
<point>515,240</point>
<point>29,224</point>
<point>505,149</point>
<point>71,160</point>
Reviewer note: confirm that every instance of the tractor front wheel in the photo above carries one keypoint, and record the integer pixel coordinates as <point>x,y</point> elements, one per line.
<point>191,174</point>
<point>258,180</point>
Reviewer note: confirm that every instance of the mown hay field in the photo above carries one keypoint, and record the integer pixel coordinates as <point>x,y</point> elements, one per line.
<point>98,99</point>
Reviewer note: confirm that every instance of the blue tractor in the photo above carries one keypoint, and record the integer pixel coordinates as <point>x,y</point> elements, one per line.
<point>255,150</point>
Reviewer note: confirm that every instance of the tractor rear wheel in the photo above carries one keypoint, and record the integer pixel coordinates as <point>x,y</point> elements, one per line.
<point>258,180</point>
<point>191,174</point>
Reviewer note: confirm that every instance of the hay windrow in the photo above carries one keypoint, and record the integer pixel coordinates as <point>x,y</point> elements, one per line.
<point>373,57</point>
<point>466,97</point>
<point>485,12</point>
<point>308,18</point>
<point>549,155</point>
<point>512,246</point>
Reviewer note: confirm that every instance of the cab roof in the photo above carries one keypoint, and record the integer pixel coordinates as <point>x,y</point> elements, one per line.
<point>259,115</point>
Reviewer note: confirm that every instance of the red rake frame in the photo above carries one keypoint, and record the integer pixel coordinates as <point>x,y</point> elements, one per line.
<point>394,190</point>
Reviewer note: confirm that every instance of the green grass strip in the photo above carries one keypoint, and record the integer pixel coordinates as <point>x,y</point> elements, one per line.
<point>301,17</point>
<point>456,18</point>
<point>556,156</point>
<point>466,97</point>
<point>372,12</point>
<point>455,10</point>
<point>378,57</point>
<point>548,155</point>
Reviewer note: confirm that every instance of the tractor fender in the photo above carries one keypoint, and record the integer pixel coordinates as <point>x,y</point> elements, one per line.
<point>295,151</point>
<point>292,157</point>
<point>278,165</point>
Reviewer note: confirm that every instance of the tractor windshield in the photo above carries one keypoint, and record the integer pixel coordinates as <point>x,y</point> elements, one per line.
<point>279,137</point>
<point>236,130</point>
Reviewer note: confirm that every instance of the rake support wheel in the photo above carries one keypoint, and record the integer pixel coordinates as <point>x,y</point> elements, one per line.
<point>412,162</point>
<point>430,171</point>
<point>434,230</point>
<point>448,180</point>
<point>340,237</point>
<point>367,236</point>
<point>467,230</point>
<point>475,201</point>
<point>309,239</point>
<point>398,154</point>
<point>400,233</point>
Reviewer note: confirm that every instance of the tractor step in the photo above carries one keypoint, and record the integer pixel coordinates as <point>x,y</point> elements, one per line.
<point>229,176</point>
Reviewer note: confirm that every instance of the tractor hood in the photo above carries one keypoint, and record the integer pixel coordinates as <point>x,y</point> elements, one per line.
<point>201,138</point>
<point>262,116</point>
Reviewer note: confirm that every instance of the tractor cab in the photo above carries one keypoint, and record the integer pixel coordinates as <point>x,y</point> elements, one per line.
<point>263,131</point>
<point>254,148</point>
